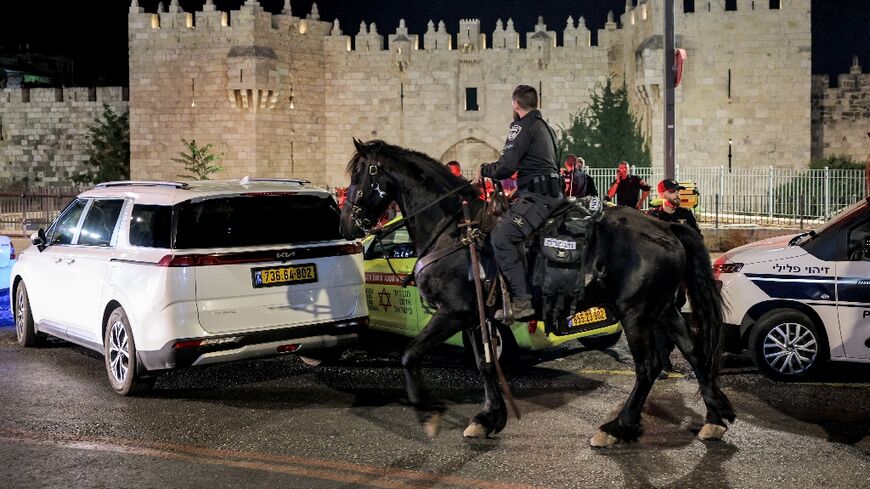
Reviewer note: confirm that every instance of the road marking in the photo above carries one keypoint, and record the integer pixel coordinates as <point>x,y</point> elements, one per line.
<point>627,373</point>
<point>350,473</point>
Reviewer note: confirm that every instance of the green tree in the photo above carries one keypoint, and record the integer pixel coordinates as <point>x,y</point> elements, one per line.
<point>109,154</point>
<point>839,162</point>
<point>606,132</point>
<point>200,162</point>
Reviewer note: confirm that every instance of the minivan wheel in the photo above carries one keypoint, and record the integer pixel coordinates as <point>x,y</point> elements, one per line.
<point>25,330</point>
<point>786,345</point>
<point>120,351</point>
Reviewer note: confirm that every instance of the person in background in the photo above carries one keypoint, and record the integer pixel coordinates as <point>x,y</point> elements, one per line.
<point>455,168</point>
<point>670,211</point>
<point>578,183</point>
<point>626,188</point>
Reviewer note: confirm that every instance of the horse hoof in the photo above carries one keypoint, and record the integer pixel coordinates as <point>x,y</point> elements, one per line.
<point>432,425</point>
<point>711,432</point>
<point>603,440</point>
<point>474,430</point>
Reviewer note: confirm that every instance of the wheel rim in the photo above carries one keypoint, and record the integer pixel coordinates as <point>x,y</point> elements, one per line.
<point>20,315</point>
<point>790,348</point>
<point>119,352</point>
<point>499,344</point>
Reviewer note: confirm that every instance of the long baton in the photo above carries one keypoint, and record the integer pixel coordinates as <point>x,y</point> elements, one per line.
<point>488,344</point>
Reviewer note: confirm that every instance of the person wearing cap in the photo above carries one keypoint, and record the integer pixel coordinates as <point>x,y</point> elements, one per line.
<point>578,183</point>
<point>626,188</point>
<point>670,210</point>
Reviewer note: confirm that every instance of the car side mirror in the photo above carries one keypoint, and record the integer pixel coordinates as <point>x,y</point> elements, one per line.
<point>39,240</point>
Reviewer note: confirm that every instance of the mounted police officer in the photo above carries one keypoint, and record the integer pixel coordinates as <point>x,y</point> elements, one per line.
<point>530,150</point>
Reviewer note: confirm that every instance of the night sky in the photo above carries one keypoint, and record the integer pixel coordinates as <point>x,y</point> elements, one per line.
<point>93,33</point>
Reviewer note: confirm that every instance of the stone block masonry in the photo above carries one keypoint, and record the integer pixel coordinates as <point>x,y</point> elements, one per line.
<point>282,95</point>
<point>44,131</point>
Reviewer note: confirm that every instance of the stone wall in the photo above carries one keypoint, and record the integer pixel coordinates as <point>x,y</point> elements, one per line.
<point>763,105</point>
<point>282,95</point>
<point>226,78</point>
<point>841,115</point>
<point>44,131</point>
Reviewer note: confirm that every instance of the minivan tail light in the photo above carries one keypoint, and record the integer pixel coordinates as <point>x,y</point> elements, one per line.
<point>243,257</point>
<point>177,261</point>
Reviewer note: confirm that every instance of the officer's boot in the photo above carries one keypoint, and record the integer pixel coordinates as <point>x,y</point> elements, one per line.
<point>522,310</point>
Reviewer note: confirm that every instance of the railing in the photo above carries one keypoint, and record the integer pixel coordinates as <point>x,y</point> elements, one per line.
<point>25,211</point>
<point>761,196</point>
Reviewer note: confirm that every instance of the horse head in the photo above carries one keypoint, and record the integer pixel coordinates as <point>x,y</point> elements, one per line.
<point>370,193</point>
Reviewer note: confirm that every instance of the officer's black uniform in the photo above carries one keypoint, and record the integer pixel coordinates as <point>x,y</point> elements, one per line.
<point>529,150</point>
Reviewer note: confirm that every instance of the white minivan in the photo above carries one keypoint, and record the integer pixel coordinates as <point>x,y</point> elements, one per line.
<point>798,300</point>
<point>164,275</point>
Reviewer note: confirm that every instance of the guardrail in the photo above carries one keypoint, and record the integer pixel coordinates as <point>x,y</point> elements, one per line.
<point>22,212</point>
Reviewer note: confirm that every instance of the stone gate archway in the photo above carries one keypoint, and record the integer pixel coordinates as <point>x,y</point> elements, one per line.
<point>470,153</point>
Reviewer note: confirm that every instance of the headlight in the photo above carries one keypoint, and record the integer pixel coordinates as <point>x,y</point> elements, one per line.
<point>727,267</point>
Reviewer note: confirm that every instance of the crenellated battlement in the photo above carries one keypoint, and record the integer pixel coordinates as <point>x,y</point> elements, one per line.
<point>63,95</point>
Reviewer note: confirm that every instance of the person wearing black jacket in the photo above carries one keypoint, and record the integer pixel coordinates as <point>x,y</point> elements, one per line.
<point>670,211</point>
<point>529,151</point>
<point>578,183</point>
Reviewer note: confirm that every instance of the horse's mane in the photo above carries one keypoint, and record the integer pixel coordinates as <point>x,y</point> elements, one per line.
<point>431,169</point>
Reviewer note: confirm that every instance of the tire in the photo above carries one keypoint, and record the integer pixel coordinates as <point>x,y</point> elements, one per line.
<point>507,350</point>
<point>601,342</point>
<point>119,349</point>
<point>786,345</point>
<point>25,330</point>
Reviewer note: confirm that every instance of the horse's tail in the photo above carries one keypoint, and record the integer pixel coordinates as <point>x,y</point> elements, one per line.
<point>707,303</point>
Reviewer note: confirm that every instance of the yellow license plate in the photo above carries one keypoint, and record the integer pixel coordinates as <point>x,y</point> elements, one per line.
<point>589,316</point>
<point>274,276</point>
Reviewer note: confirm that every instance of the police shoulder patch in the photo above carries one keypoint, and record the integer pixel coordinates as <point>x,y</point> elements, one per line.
<point>515,130</point>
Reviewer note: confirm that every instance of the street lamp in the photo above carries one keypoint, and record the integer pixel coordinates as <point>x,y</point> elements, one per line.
<point>730,142</point>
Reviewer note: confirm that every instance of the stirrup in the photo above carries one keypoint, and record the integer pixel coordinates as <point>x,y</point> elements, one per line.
<point>505,315</point>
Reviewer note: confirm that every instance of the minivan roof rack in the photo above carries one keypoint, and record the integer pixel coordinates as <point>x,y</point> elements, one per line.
<point>298,181</point>
<point>143,183</point>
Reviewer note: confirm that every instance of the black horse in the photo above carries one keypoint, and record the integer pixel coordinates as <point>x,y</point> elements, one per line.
<point>639,262</point>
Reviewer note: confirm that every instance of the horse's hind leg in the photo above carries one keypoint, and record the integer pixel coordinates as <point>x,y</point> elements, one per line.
<point>647,365</point>
<point>719,408</point>
<point>429,411</point>
<point>493,418</point>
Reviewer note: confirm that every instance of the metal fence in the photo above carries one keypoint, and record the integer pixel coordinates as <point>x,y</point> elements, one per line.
<point>761,196</point>
<point>25,211</point>
<point>758,196</point>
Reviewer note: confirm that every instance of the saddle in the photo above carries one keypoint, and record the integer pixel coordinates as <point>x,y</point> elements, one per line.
<point>556,261</point>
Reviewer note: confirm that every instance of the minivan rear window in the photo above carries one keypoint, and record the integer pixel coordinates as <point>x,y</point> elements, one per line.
<point>256,220</point>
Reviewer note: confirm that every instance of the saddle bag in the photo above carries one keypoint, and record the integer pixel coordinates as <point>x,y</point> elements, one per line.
<point>566,233</point>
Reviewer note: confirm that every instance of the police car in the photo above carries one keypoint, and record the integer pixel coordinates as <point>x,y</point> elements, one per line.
<point>796,301</point>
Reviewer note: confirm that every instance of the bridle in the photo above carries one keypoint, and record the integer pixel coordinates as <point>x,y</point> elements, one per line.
<point>361,195</point>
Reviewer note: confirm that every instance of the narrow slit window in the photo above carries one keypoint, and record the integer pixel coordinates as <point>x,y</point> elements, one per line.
<point>471,99</point>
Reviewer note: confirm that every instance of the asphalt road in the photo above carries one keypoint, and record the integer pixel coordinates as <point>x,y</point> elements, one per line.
<point>282,423</point>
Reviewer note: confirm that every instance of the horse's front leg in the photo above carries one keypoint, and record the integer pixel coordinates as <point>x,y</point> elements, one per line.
<point>429,411</point>
<point>494,416</point>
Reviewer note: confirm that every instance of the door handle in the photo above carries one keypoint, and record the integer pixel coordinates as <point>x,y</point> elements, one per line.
<point>70,261</point>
